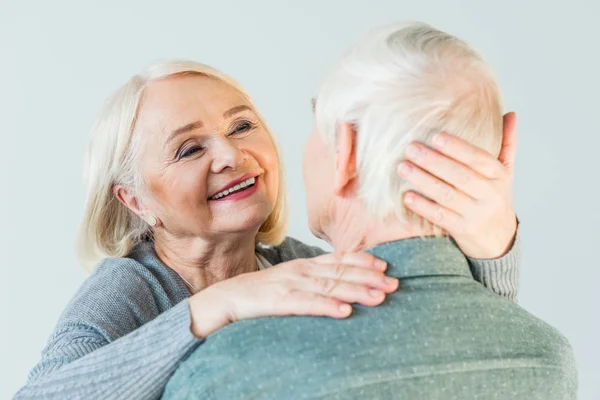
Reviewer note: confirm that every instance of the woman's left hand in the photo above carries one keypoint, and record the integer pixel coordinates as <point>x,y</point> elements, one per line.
<point>470,191</point>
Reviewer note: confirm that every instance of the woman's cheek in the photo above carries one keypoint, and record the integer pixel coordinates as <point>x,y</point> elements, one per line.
<point>191,182</point>
<point>273,169</point>
<point>264,153</point>
<point>274,177</point>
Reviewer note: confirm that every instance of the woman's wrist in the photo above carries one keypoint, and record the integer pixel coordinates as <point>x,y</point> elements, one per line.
<point>208,312</point>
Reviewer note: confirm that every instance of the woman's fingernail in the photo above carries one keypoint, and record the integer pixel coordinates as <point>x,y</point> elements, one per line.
<point>389,280</point>
<point>414,151</point>
<point>405,169</point>
<point>440,140</point>
<point>380,264</point>
<point>409,198</point>
<point>375,293</point>
<point>345,308</point>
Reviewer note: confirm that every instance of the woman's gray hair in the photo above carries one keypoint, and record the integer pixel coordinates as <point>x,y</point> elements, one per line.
<point>404,83</point>
<point>108,228</point>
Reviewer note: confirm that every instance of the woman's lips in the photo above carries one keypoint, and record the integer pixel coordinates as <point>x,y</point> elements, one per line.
<point>234,182</point>
<point>239,194</point>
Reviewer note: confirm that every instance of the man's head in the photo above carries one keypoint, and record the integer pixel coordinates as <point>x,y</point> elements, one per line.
<point>402,83</point>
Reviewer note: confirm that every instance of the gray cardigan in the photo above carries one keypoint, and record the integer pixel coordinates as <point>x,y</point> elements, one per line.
<point>128,327</point>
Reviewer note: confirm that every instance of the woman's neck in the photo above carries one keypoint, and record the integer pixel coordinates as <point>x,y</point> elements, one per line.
<point>204,262</point>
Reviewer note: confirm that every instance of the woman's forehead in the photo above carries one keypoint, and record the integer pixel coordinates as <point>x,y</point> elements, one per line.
<point>178,95</point>
<point>172,99</point>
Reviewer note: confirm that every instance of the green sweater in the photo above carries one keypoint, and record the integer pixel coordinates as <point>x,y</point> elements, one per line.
<point>440,336</point>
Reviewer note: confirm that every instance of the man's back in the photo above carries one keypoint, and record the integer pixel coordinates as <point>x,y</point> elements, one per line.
<point>441,336</point>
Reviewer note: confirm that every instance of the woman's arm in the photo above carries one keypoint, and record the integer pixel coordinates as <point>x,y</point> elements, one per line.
<point>500,275</point>
<point>121,336</point>
<point>115,340</point>
<point>81,364</point>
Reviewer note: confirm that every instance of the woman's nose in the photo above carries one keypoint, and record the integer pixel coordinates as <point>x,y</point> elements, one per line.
<point>226,155</point>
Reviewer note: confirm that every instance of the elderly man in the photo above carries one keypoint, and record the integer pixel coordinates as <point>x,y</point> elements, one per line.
<point>441,335</point>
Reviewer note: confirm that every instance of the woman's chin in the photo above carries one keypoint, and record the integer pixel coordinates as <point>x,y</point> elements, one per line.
<point>248,219</point>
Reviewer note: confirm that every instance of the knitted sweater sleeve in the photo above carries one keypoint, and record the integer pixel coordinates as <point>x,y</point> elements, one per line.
<point>115,340</point>
<point>500,275</point>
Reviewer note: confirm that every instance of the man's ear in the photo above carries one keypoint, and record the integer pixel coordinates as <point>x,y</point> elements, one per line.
<point>345,159</point>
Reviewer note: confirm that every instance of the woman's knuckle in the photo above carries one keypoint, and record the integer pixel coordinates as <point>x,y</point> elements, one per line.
<point>339,270</point>
<point>324,285</point>
<point>439,215</point>
<point>301,267</point>
<point>288,292</point>
<point>287,288</point>
<point>464,178</point>
<point>494,173</point>
<point>447,194</point>
<point>338,256</point>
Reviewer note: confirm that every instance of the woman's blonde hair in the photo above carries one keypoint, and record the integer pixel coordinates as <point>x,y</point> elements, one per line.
<point>108,228</point>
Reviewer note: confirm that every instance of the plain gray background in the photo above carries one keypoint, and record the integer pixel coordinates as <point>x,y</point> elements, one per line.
<point>60,59</point>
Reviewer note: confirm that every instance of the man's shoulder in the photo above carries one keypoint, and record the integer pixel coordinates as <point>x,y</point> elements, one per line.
<point>516,330</point>
<point>289,249</point>
<point>440,327</point>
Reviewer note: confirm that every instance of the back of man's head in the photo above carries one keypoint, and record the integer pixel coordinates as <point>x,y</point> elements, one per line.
<point>404,83</point>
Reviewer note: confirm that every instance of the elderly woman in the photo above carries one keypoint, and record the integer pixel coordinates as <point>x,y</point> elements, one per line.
<point>185,219</point>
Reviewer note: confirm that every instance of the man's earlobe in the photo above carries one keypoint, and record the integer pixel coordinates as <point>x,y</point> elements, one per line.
<point>345,159</point>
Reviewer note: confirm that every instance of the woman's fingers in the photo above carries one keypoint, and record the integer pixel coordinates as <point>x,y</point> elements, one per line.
<point>360,259</point>
<point>472,156</point>
<point>433,212</point>
<point>300,302</point>
<point>435,189</point>
<point>449,170</point>
<point>343,291</point>
<point>344,282</point>
<point>327,274</point>
<point>509,142</point>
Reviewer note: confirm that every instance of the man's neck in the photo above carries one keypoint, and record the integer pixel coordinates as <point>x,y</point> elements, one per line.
<point>351,229</point>
<point>203,261</point>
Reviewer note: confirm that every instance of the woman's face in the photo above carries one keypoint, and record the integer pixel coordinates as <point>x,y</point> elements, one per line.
<point>209,165</point>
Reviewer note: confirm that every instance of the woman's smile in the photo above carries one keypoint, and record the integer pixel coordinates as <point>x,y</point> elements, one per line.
<point>238,189</point>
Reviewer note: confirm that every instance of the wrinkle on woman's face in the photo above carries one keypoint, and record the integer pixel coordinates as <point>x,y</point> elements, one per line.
<point>200,135</point>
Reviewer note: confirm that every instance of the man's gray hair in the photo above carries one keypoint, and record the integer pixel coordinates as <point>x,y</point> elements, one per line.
<point>404,83</point>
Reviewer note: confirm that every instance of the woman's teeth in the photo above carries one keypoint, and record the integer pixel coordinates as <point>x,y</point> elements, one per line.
<point>240,186</point>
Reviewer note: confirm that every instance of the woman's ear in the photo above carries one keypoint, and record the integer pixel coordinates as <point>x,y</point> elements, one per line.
<point>129,200</point>
<point>345,160</point>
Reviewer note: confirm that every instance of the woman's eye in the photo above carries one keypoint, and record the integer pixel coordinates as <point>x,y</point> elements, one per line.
<point>189,151</point>
<point>242,127</point>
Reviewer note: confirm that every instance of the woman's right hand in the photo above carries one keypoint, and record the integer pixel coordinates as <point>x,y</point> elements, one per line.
<point>319,286</point>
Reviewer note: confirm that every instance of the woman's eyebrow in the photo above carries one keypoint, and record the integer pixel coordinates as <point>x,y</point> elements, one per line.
<point>236,110</point>
<point>186,128</point>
